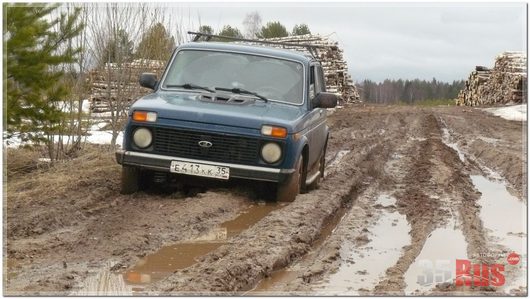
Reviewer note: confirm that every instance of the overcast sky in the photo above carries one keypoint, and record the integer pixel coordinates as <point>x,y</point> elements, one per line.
<point>392,40</point>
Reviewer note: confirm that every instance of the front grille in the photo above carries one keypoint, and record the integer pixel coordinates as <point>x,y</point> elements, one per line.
<point>226,149</point>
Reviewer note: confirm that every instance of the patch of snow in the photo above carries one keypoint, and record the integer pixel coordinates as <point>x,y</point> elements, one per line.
<point>93,136</point>
<point>102,114</point>
<point>67,106</point>
<point>86,106</point>
<point>515,112</point>
<point>98,126</point>
<point>103,137</point>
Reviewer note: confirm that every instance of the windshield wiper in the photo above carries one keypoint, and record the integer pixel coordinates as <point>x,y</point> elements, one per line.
<point>242,91</point>
<point>190,86</point>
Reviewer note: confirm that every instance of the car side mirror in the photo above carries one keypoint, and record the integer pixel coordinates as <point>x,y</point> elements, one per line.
<point>148,80</point>
<point>325,100</point>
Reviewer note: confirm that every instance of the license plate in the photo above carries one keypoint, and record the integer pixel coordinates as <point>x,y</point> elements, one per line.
<point>199,169</point>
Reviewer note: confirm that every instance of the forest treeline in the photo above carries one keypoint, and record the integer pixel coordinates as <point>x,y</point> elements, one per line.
<point>408,91</point>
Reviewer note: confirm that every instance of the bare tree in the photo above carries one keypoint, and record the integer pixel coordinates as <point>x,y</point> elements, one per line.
<point>252,24</point>
<point>74,126</point>
<point>113,28</point>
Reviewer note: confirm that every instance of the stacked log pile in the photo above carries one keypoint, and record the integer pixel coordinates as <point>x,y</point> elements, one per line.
<point>116,85</point>
<point>331,57</point>
<point>504,83</point>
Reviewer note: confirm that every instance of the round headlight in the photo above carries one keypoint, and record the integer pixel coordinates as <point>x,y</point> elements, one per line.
<point>271,152</point>
<point>142,137</point>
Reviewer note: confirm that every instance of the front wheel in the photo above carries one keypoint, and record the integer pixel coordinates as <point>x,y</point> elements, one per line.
<point>288,190</point>
<point>130,180</point>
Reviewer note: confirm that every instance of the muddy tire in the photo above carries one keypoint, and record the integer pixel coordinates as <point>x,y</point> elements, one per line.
<point>130,180</point>
<point>321,168</point>
<point>288,190</point>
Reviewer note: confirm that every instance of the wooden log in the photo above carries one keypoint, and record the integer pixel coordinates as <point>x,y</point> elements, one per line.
<point>499,85</point>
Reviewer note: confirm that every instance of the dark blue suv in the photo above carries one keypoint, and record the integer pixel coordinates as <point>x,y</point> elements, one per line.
<point>224,110</point>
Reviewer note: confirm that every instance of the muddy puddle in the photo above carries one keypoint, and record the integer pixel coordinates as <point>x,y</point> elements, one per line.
<point>504,217</point>
<point>362,267</point>
<point>279,278</point>
<point>436,262</point>
<point>105,283</point>
<point>169,259</point>
<point>446,138</point>
<point>502,214</point>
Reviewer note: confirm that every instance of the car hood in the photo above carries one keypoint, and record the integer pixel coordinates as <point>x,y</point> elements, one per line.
<point>189,107</point>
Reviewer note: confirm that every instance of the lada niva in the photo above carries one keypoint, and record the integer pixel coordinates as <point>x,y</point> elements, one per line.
<point>225,110</point>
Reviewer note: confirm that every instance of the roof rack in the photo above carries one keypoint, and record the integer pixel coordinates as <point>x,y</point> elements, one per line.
<point>310,48</point>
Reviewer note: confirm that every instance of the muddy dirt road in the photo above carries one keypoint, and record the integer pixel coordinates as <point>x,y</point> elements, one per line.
<point>407,192</point>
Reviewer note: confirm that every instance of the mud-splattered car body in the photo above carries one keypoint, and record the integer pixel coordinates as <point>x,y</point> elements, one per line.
<point>230,111</point>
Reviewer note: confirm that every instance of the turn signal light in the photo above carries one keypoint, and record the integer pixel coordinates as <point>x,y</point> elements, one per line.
<point>277,132</point>
<point>144,116</point>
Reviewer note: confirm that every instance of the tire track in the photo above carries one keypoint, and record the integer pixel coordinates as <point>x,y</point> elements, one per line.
<point>438,190</point>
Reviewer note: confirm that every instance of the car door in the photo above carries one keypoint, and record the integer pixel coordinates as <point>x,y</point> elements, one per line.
<point>317,131</point>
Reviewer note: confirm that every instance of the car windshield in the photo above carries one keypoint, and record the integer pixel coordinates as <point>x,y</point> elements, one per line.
<point>273,78</point>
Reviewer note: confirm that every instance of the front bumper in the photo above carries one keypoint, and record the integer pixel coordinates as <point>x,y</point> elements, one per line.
<point>162,163</point>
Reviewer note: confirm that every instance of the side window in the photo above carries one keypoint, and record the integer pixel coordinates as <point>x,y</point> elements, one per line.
<point>312,82</point>
<point>320,82</point>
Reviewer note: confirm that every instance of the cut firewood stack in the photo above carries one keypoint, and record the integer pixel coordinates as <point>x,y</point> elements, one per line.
<point>330,55</point>
<point>504,83</point>
<point>115,86</point>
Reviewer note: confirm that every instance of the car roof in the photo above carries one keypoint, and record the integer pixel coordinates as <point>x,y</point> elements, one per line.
<point>249,49</point>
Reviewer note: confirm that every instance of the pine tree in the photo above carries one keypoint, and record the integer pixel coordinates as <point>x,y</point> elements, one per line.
<point>37,48</point>
<point>156,43</point>
<point>301,29</point>
<point>230,32</point>
<point>206,29</point>
<point>273,29</point>
<point>119,48</point>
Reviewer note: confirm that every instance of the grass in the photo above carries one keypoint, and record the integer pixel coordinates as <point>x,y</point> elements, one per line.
<point>22,160</point>
<point>94,167</point>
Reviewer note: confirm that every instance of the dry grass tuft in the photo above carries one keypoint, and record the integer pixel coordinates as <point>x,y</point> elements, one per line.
<point>95,167</point>
<point>22,161</point>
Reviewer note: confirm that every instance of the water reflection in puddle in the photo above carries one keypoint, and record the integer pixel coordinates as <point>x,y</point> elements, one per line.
<point>437,256</point>
<point>104,283</point>
<point>272,285</point>
<point>504,217</point>
<point>386,200</point>
<point>446,137</point>
<point>168,259</point>
<point>364,266</point>
<point>502,214</point>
